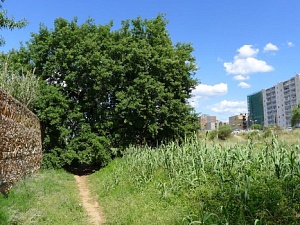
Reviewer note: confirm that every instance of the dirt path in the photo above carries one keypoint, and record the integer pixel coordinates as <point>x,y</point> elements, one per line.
<point>88,201</point>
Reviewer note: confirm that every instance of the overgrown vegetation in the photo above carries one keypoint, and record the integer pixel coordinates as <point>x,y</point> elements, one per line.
<point>22,85</point>
<point>202,182</point>
<point>224,132</point>
<point>48,197</point>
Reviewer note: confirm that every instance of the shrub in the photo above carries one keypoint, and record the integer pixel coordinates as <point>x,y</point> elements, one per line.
<point>224,132</point>
<point>212,134</point>
<point>256,127</point>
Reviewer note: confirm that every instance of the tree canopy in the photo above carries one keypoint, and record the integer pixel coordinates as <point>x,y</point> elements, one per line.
<point>105,88</point>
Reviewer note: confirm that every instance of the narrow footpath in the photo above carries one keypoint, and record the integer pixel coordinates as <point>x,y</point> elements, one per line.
<point>89,202</point>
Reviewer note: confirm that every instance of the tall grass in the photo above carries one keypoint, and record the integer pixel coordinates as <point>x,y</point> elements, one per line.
<point>251,183</point>
<point>20,84</point>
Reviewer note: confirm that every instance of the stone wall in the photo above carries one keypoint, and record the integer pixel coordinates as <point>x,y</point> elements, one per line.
<point>20,141</point>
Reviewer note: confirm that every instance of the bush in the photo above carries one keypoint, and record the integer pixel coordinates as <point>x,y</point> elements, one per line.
<point>212,134</point>
<point>256,127</point>
<point>224,132</point>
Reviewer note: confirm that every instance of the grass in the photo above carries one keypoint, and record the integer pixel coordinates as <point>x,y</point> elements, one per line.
<point>48,197</point>
<point>256,181</point>
<point>135,203</point>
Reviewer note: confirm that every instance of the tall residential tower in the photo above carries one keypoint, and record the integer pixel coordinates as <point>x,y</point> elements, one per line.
<point>273,106</point>
<point>279,101</point>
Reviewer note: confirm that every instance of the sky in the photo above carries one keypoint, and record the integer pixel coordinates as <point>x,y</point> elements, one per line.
<point>241,47</point>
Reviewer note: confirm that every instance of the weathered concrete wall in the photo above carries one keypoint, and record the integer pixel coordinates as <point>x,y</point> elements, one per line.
<point>20,141</point>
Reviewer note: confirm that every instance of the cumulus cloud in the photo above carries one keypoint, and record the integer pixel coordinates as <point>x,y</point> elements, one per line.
<point>290,44</point>
<point>204,92</point>
<point>246,51</point>
<point>246,62</point>
<point>229,107</point>
<point>244,85</point>
<point>247,66</point>
<point>270,47</point>
<point>241,77</point>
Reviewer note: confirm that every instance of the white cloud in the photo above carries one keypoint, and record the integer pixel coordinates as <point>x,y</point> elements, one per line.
<point>208,91</point>
<point>245,62</point>
<point>230,107</point>
<point>204,92</point>
<point>241,77</point>
<point>247,66</point>
<point>244,85</point>
<point>290,44</point>
<point>270,47</point>
<point>246,51</point>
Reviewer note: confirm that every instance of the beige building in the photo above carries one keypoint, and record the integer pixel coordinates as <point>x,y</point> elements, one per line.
<point>239,121</point>
<point>208,122</point>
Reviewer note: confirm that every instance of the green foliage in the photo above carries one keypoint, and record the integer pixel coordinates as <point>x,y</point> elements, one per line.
<point>202,183</point>
<point>295,118</point>
<point>20,84</point>
<point>256,127</point>
<point>8,23</point>
<point>212,134</point>
<point>109,89</point>
<point>224,132</point>
<point>66,137</point>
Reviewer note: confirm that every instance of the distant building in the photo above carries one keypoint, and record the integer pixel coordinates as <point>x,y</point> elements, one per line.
<point>208,122</point>
<point>279,101</point>
<point>273,106</point>
<point>239,122</point>
<point>255,109</point>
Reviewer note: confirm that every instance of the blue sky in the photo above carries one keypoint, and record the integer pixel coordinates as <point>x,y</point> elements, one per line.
<point>240,46</point>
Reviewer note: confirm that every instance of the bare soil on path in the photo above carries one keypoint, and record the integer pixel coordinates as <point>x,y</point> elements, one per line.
<point>89,202</point>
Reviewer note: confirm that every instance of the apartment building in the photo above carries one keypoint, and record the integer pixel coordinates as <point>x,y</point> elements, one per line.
<point>277,103</point>
<point>238,122</point>
<point>208,122</point>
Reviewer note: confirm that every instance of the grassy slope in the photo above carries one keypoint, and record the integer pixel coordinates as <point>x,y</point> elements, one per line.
<point>48,197</point>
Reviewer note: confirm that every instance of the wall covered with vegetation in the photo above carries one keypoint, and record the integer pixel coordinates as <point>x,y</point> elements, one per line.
<point>20,141</point>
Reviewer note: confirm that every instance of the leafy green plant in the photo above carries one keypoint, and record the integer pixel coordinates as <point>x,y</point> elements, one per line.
<point>212,134</point>
<point>224,132</point>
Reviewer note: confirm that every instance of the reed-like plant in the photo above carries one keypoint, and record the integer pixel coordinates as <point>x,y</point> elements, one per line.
<point>22,85</point>
<point>243,178</point>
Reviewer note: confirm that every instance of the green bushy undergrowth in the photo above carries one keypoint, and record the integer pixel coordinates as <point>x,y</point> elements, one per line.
<point>224,132</point>
<point>197,183</point>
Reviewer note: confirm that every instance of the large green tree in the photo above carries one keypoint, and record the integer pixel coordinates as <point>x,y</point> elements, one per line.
<point>116,88</point>
<point>8,22</point>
